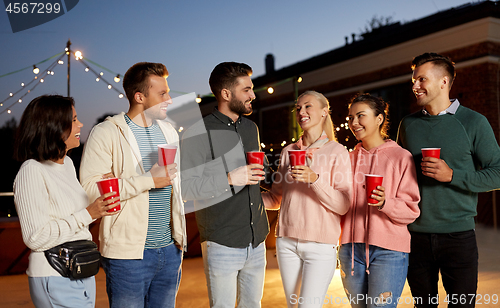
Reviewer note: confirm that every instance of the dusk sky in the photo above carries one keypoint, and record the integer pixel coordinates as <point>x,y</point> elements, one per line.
<point>189,37</point>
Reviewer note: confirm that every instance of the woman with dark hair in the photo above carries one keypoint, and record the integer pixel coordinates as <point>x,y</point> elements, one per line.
<point>375,239</point>
<point>311,198</point>
<point>52,206</point>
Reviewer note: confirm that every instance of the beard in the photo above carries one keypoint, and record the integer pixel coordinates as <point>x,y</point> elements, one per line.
<point>238,107</point>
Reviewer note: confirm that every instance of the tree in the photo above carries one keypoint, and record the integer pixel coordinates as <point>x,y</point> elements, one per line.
<point>377,22</point>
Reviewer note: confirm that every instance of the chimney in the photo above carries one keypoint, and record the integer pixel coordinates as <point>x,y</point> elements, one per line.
<point>269,64</point>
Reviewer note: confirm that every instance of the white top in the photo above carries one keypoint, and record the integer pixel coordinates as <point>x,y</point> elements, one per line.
<point>51,206</point>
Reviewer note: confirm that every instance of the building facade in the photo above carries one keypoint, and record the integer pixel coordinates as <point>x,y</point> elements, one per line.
<point>379,63</point>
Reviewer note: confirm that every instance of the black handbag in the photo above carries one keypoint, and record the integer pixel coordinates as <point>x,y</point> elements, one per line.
<point>75,260</point>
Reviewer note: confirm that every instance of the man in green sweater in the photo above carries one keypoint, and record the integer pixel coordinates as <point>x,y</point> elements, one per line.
<point>443,237</point>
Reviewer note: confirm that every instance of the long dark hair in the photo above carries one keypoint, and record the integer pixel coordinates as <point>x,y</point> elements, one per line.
<point>44,127</point>
<point>379,106</point>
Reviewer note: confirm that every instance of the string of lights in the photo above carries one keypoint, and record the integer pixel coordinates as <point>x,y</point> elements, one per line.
<point>269,89</point>
<point>104,68</point>
<point>99,76</point>
<point>23,86</point>
<point>38,78</point>
<point>28,67</point>
<point>117,77</point>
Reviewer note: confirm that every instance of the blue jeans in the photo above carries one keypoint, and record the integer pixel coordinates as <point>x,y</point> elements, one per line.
<point>149,282</point>
<point>383,286</point>
<point>455,255</point>
<point>58,292</point>
<point>234,274</point>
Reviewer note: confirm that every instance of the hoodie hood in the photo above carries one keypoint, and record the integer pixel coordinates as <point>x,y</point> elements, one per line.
<point>386,145</point>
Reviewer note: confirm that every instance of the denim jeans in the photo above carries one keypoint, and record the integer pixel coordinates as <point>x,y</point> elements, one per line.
<point>149,282</point>
<point>382,287</point>
<point>306,270</point>
<point>455,255</point>
<point>234,274</point>
<point>58,292</point>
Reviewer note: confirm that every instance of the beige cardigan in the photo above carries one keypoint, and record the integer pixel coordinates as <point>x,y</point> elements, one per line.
<point>111,147</point>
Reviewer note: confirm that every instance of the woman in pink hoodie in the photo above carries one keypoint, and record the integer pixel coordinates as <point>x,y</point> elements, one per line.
<point>375,239</point>
<point>312,198</point>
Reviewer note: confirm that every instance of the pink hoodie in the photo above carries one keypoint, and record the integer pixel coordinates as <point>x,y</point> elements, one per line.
<point>312,212</point>
<point>385,228</point>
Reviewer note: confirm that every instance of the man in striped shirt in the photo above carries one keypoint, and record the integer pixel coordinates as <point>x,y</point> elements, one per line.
<point>141,247</point>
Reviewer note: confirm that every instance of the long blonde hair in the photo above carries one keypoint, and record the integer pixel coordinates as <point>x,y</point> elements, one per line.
<point>328,126</point>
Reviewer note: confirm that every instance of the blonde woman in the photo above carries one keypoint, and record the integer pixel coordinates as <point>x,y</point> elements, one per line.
<point>311,199</point>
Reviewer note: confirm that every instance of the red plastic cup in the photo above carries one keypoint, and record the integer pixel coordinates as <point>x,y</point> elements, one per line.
<point>297,157</point>
<point>166,154</point>
<point>431,152</point>
<point>108,185</point>
<point>372,181</point>
<point>255,157</point>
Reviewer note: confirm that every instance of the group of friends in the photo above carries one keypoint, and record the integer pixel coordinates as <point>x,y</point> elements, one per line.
<point>422,223</point>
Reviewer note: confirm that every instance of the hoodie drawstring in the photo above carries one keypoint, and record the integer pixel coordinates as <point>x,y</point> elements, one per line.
<point>367,215</point>
<point>352,218</point>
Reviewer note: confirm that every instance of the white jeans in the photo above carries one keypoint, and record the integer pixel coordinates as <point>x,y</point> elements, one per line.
<point>306,270</point>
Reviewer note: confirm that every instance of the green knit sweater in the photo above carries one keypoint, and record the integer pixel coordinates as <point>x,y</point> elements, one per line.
<point>469,147</point>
